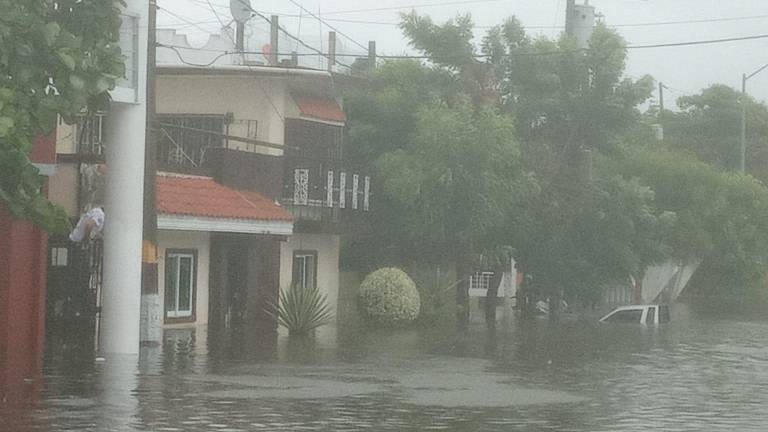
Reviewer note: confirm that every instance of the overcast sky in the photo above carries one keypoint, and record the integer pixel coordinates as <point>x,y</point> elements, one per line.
<point>685,69</point>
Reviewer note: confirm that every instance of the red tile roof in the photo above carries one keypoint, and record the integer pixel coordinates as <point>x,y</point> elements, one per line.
<point>203,197</point>
<point>320,108</point>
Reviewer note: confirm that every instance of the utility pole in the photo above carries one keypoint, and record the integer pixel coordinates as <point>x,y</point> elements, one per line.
<point>273,39</point>
<point>570,7</point>
<point>743,141</point>
<point>331,50</point>
<point>371,55</point>
<point>150,326</point>
<point>661,99</point>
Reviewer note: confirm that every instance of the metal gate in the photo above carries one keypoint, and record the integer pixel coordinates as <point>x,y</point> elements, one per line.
<point>74,293</point>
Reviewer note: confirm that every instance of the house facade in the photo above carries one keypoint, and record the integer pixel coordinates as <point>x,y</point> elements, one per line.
<point>278,131</point>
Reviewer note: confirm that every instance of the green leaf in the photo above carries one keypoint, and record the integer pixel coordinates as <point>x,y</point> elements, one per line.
<point>67,59</point>
<point>50,32</point>
<point>102,85</point>
<point>6,124</point>
<point>77,82</point>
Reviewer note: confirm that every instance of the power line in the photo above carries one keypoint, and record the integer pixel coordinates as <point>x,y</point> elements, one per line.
<point>478,56</point>
<point>544,27</point>
<point>413,6</point>
<point>695,21</point>
<point>330,26</point>
<point>297,39</point>
<point>216,14</point>
<point>185,20</point>
<point>700,42</point>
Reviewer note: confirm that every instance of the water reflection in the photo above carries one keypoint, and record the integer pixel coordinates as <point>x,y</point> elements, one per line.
<point>695,374</point>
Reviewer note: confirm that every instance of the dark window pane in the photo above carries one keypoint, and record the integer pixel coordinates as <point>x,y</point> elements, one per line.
<point>185,284</point>
<point>663,314</point>
<point>651,317</point>
<point>171,283</point>
<point>626,316</point>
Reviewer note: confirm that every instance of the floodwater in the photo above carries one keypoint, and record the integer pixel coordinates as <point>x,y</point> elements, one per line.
<point>699,373</point>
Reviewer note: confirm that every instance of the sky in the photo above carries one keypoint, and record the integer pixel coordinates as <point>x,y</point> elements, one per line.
<point>683,70</point>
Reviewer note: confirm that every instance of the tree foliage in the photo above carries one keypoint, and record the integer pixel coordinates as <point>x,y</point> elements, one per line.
<point>541,146</point>
<point>708,127</point>
<point>56,58</point>
<point>720,215</point>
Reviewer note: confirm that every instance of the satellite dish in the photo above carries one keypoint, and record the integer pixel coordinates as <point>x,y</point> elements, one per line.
<point>241,10</point>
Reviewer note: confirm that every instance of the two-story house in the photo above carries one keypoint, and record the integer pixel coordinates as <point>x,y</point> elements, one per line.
<point>275,130</point>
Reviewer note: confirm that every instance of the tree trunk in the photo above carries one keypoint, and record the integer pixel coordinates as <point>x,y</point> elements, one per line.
<point>491,295</point>
<point>637,289</point>
<point>555,299</point>
<point>462,289</point>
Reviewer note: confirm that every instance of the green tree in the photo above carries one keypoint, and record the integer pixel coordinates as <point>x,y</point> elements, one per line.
<point>720,219</point>
<point>708,127</point>
<point>446,173</point>
<point>56,58</point>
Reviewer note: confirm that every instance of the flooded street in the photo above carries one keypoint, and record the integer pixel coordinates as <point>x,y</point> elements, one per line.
<point>697,373</point>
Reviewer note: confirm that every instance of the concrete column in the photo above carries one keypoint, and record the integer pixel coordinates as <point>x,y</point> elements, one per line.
<point>123,230</point>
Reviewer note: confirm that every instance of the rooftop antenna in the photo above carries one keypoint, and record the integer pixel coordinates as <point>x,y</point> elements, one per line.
<point>241,11</point>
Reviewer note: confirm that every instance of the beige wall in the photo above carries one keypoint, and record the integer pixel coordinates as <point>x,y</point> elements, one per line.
<point>327,247</point>
<point>187,240</point>
<point>65,137</point>
<point>62,188</point>
<point>248,98</point>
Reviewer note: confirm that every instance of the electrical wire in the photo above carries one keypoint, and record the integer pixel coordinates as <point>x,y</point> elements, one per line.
<point>185,20</point>
<point>479,56</point>
<point>216,14</point>
<point>329,26</point>
<point>413,6</point>
<point>287,33</point>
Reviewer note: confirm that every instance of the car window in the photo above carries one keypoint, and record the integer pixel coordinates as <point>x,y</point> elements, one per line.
<point>650,318</point>
<point>663,314</point>
<point>632,315</point>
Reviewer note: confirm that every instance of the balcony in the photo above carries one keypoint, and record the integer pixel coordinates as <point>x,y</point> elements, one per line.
<point>325,192</point>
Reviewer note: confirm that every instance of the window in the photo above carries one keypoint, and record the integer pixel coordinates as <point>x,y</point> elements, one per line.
<point>632,315</point>
<point>59,256</point>
<point>650,317</point>
<point>89,134</point>
<point>305,269</point>
<point>183,139</point>
<point>480,280</point>
<point>180,284</point>
<point>663,314</point>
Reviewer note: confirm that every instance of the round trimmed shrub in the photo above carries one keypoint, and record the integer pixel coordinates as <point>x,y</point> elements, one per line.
<point>389,297</point>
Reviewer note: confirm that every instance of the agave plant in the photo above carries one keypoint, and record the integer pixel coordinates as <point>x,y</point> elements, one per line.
<point>302,309</point>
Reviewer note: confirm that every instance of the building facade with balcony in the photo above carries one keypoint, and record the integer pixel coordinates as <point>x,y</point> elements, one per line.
<point>276,131</point>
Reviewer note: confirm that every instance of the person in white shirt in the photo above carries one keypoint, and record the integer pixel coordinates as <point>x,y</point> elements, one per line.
<point>89,227</point>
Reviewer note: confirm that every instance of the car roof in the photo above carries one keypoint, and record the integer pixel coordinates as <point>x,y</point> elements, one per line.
<point>634,307</point>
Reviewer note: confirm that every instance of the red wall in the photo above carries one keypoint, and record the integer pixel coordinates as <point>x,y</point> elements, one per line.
<point>23,269</point>
<point>23,273</point>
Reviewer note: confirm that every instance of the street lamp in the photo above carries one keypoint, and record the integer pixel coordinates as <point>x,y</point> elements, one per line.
<point>744,78</point>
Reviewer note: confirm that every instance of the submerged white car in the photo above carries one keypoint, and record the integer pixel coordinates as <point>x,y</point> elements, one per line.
<point>642,314</point>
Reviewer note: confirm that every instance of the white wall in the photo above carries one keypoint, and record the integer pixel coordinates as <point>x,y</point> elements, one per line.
<point>201,241</point>
<point>247,97</point>
<point>125,136</point>
<point>327,247</point>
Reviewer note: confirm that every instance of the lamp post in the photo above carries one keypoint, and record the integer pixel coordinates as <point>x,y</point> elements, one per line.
<point>744,78</point>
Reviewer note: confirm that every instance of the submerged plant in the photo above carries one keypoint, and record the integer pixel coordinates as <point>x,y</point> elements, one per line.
<point>301,309</point>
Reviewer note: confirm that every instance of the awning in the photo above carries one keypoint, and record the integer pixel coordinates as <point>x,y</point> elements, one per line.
<point>195,203</point>
<point>320,108</point>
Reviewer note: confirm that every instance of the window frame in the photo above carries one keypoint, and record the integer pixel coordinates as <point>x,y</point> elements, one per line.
<point>193,295</point>
<point>640,314</point>
<point>304,253</point>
